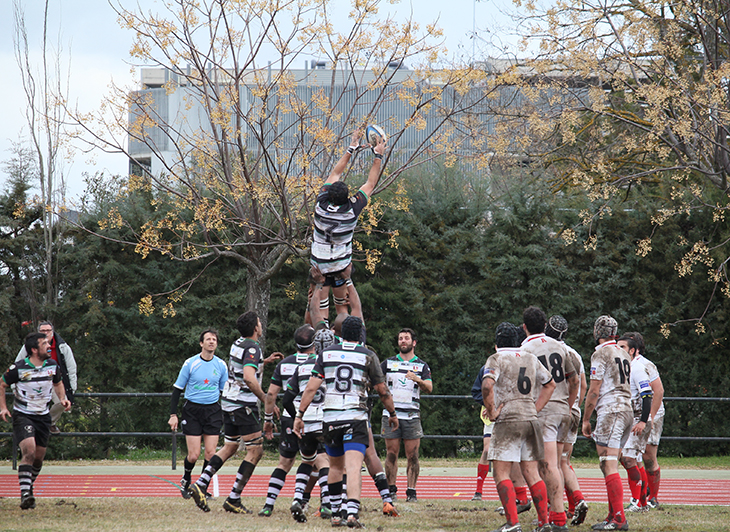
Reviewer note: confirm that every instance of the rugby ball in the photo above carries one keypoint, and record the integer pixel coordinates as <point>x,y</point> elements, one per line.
<point>374,133</point>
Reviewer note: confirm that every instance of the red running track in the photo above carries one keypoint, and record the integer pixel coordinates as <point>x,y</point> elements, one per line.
<point>672,491</point>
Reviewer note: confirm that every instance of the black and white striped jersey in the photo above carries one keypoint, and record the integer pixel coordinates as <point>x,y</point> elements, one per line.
<point>244,352</point>
<point>349,371</point>
<point>334,227</point>
<point>33,385</point>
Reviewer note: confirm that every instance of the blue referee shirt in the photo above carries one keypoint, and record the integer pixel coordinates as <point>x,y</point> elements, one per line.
<point>202,380</point>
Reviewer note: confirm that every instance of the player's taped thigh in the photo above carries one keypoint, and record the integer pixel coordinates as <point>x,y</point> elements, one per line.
<point>256,442</point>
<point>607,458</point>
<point>308,457</point>
<point>340,301</point>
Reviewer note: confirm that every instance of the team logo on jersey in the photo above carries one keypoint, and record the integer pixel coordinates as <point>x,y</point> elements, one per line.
<point>252,350</point>
<point>490,372</point>
<point>594,370</point>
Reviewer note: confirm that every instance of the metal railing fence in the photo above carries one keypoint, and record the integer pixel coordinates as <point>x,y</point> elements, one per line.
<point>443,437</point>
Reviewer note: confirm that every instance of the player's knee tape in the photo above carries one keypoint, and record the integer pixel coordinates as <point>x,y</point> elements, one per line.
<point>564,455</point>
<point>607,458</point>
<point>340,301</point>
<point>256,442</point>
<point>348,282</point>
<point>236,440</point>
<point>307,457</point>
<point>324,304</point>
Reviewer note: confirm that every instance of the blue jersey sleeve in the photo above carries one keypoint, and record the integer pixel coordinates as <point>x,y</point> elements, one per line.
<point>224,375</point>
<point>183,376</point>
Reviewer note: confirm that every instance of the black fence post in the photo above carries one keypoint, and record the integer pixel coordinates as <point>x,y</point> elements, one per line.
<point>174,450</point>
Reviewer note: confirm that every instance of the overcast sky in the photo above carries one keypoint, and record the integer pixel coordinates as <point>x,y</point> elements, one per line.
<point>99,50</point>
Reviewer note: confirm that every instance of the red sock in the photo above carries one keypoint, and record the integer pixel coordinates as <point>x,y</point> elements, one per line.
<point>521,494</point>
<point>482,472</point>
<point>634,482</point>
<point>558,518</point>
<point>615,491</point>
<point>654,478</point>
<point>644,486</point>
<point>506,492</point>
<point>539,497</point>
<point>571,500</point>
<point>578,496</point>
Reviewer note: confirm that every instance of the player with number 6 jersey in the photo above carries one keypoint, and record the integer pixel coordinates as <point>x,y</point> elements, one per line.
<point>509,379</point>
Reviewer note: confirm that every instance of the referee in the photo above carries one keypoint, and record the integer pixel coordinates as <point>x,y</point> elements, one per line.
<point>202,377</point>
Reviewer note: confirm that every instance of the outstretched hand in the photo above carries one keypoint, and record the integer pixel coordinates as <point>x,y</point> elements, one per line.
<point>356,136</point>
<point>273,357</point>
<point>379,148</point>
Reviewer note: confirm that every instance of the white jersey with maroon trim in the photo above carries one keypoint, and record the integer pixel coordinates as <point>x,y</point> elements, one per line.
<point>515,374</point>
<point>612,365</point>
<point>553,356</point>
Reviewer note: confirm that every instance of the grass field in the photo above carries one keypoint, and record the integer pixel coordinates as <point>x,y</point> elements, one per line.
<point>176,515</point>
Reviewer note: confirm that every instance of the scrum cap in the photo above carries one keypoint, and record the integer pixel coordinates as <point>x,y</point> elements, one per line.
<point>506,335</point>
<point>605,327</point>
<point>556,327</point>
<point>323,338</point>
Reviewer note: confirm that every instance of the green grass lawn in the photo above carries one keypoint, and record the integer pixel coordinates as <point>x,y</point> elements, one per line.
<point>176,514</point>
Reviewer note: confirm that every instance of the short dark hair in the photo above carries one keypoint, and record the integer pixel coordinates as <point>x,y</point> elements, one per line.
<point>630,341</point>
<point>534,319</point>
<point>209,331</point>
<point>45,322</point>
<point>339,320</point>
<point>636,337</point>
<point>247,322</point>
<point>31,341</point>
<point>352,329</point>
<point>338,193</point>
<point>406,330</point>
<point>506,335</point>
<point>304,337</point>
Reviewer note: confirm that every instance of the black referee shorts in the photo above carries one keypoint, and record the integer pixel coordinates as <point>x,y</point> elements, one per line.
<point>200,419</point>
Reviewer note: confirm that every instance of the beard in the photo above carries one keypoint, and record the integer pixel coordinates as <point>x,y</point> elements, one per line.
<point>406,348</point>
